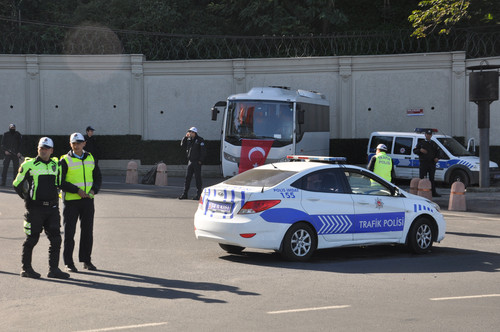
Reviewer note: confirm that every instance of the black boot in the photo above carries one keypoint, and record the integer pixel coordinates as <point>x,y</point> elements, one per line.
<point>55,272</point>
<point>28,272</point>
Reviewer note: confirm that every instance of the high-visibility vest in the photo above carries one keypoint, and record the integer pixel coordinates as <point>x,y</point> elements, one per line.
<point>36,170</point>
<point>383,166</point>
<point>80,174</point>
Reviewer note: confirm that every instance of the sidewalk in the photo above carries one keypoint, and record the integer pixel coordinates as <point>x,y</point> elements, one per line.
<point>483,200</point>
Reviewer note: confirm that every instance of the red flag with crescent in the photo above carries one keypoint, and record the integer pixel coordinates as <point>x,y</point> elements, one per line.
<point>254,153</point>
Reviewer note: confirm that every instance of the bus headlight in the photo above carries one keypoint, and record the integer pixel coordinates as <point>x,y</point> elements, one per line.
<point>231,158</point>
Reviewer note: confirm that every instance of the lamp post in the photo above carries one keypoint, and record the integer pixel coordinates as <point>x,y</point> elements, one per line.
<point>483,90</point>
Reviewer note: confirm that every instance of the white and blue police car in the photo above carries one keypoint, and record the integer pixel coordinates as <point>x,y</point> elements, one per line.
<point>297,207</point>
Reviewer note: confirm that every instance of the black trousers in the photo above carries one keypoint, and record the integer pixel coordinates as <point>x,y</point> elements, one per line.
<point>193,168</point>
<point>36,219</point>
<point>427,167</point>
<point>83,209</point>
<point>6,162</point>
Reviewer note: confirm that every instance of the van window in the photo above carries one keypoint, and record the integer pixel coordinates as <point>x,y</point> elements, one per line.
<point>376,140</point>
<point>403,145</point>
<point>454,147</point>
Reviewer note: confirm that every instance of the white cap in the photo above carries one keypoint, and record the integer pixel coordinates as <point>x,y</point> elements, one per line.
<point>193,129</point>
<point>12,126</point>
<point>45,142</point>
<point>382,147</point>
<point>76,137</point>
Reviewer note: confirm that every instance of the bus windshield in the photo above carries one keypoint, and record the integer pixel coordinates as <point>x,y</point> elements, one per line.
<point>260,120</point>
<point>455,148</point>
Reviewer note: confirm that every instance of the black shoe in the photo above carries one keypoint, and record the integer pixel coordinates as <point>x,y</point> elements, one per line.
<point>30,273</point>
<point>436,195</point>
<point>71,268</point>
<point>57,273</point>
<point>89,266</point>
<point>183,196</point>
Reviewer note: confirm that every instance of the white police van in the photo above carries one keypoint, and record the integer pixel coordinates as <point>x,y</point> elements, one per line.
<point>456,163</point>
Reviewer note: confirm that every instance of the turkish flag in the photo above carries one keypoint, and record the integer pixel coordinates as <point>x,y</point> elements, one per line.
<point>254,153</point>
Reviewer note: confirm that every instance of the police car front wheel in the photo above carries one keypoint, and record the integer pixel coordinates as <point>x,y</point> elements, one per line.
<point>299,242</point>
<point>421,236</point>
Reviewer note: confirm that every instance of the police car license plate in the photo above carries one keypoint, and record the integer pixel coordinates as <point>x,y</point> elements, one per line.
<point>220,206</point>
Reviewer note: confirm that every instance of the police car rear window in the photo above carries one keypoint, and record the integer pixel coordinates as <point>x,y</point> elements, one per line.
<point>260,177</point>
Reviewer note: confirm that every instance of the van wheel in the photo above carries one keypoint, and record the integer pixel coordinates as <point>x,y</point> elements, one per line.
<point>460,176</point>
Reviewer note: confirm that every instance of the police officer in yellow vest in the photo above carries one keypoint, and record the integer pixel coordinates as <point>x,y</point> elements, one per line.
<point>80,180</point>
<point>37,182</point>
<point>381,163</point>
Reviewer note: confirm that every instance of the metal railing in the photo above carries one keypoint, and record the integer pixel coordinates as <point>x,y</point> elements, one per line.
<point>479,42</point>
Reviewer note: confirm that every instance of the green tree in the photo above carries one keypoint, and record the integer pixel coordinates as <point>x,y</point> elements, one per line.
<point>443,15</point>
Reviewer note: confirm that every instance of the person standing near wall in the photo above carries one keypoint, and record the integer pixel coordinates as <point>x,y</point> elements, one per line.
<point>80,180</point>
<point>428,154</point>
<point>196,153</point>
<point>11,146</point>
<point>37,183</point>
<point>91,144</point>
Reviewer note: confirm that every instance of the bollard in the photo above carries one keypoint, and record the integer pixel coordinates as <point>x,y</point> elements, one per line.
<point>414,186</point>
<point>425,188</point>
<point>457,197</point>
<point>161,175</point>
<point>132,176</point>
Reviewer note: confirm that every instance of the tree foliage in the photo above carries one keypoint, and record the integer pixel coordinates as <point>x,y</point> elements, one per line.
<point>248,17</point>
<point>442,15</point>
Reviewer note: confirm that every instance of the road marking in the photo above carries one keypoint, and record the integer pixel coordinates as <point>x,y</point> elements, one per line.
<point>308,309</point>
<point>464,297</point>
<point>125,327</point>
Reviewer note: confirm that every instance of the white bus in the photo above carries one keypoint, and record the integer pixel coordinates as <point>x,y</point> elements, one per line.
<point>266,124</point>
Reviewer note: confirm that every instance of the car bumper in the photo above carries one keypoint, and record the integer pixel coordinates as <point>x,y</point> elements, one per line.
<point>233,231</point>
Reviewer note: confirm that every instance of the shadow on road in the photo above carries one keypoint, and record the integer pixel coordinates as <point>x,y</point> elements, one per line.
<point>380,259</point>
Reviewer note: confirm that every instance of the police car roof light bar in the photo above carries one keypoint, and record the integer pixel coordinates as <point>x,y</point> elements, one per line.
<point>316,158</point>
<point>423,130</point>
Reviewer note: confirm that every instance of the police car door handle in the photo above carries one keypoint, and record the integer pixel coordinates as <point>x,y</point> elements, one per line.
<point>363,203</point>
<point>313,199</point>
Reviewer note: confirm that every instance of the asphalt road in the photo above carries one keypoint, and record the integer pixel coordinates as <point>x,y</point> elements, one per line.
<point>155,276</point>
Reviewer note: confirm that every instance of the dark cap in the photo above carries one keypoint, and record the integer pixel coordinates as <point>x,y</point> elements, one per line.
<point>90,128</point>
<point>428,131</point>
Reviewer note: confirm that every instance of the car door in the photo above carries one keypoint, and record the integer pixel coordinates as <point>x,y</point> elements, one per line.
<point>379,216</point>
<point>402,157</point>
<point>325,198</point>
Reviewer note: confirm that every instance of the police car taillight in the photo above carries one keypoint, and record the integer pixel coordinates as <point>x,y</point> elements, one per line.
<point>316,158</point>
<point>258,206</point>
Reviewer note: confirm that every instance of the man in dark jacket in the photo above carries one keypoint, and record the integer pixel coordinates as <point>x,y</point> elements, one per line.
<point>196,153</point>
<point>11,147</point>
<point>428,154</point>
<point>91,144</point>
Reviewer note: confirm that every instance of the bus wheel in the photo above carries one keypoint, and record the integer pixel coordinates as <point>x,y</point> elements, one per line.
<point>460,176</point>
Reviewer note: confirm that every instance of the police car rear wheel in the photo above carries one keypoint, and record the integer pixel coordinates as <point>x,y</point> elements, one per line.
<point>421,236</point>
<point>299,242</point>
<point>231,249</point>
